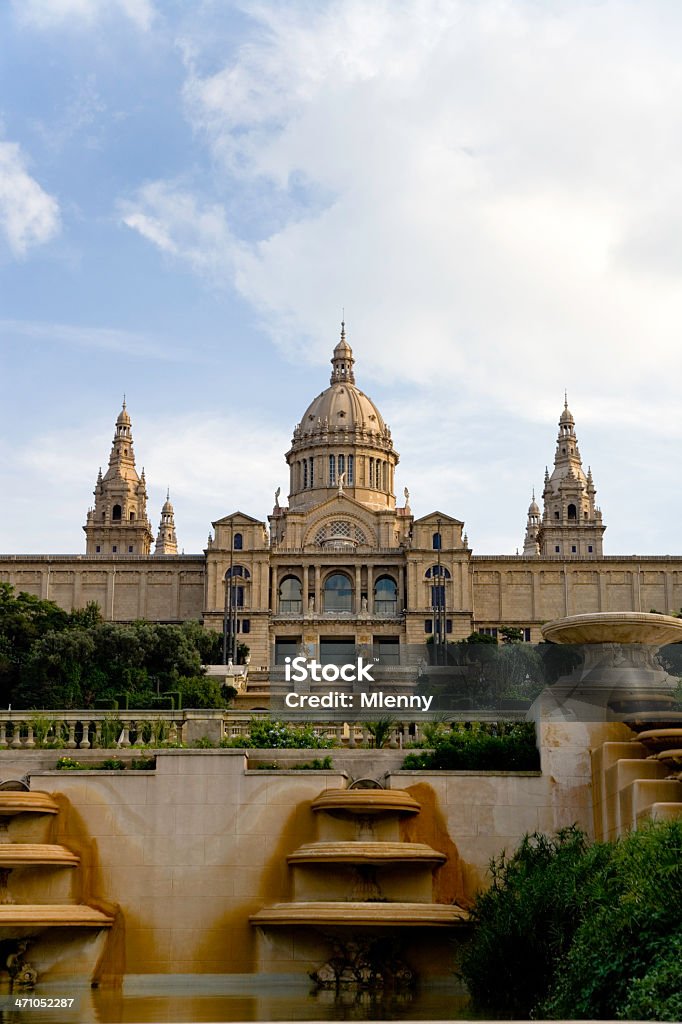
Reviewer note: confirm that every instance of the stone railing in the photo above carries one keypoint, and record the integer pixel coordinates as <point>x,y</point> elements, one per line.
<point>81,730</point>
<point>84,730</point>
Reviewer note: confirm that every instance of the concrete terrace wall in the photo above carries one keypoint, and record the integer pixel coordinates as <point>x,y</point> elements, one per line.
<point>190,850</point>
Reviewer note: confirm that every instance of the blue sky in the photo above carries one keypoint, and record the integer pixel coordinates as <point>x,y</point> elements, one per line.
<point>190,192</point>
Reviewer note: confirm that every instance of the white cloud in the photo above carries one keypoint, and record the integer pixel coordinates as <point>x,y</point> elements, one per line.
<point>28,215</point>
<point>212,464</point>
<point>174,221</point>
<point>496,175</point>
<point>46,14</point>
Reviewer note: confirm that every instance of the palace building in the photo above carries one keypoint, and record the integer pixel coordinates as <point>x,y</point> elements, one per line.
<point>342,563</point>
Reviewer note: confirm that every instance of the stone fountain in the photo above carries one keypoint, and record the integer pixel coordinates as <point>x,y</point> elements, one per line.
<point>26,910</point>
<point>635,733</point>
<point>360,887</point>
<point>619,674</point>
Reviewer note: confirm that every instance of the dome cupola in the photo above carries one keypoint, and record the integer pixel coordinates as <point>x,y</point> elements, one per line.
<point>342,443</point>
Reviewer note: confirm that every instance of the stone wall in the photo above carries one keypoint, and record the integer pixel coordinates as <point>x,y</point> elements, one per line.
<point>190,850</point>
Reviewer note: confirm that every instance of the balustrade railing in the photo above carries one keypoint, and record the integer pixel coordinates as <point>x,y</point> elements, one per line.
<point>82,730</point>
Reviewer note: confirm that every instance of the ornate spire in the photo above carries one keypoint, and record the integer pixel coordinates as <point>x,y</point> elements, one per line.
<point>166,539</point>
<point>572,524</point>
<point>342,361</point>
<point>119,523</point>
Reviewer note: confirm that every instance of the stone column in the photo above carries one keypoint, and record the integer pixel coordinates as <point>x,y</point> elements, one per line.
<point>304,590</point>
<point>370,589</point>
<point>318,591</point>
<point>402,603</point>
<point>358,589</point>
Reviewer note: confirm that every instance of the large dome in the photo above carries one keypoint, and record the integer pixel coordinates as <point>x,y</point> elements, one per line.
<point>342,405</point>
<point>342,443</point>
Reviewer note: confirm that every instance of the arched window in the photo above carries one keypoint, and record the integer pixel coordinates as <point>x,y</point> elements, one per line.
<point>116,513</point>
<point>437,541</point>
<point>132,517</point>
<point>332,470</point>
<point>438,570</point>
<point>350,469</point>
<point>238,542</point>
<point>290,601</point>
<point>238,570</point>
<point>340,462</point>
<point>312,477</point>
<point>572,512</point>
<point>371,473</point>
<point>385,596</point>
<point>305,473</point>
<point>338,593</point>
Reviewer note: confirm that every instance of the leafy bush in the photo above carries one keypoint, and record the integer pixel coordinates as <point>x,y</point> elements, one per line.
<point>68,764</point>
<point>317,764</point>
<point>580,931</point>
<point>512,747</point>
<point>633,913</point>
<point>264,733</point>
<point>658,994</point>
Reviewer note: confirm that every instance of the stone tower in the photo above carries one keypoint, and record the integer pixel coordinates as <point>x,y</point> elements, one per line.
<point>571,522</point>
<point>531,548</point>
<point>118,523</point>
<point>166,540</point>
<point>342,444</point>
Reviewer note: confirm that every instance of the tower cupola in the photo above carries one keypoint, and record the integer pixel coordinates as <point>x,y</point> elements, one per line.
<point>166,539</point>
<point>341,444</point>
<point>117,524</point>
<point>571,522</point>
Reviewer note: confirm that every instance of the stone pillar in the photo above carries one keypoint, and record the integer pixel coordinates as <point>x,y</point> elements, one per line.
<point>402,603</point>
<point>304,590</point>
<point>142,595</point>
<point>318,591</point>
<point>370,589</point>
<point>358,589</point>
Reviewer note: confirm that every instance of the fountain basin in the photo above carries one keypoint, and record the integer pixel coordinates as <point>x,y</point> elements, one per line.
<point>354,915</point>
<point>30,802</point>
<point>361,852</point>
<point>14,855</point>
<point>22,920</point>
<point>672,758</point>
<point>364,802</point>
<point>656,740</point>
<point>615,627</point>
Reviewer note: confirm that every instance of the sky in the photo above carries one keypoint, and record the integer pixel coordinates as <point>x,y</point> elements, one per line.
<point>191,192</point>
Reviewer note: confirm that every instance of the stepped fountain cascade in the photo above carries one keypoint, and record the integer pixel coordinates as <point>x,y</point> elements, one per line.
<point>636,774</point>
<point>35,895</point>
<point>359,887</point>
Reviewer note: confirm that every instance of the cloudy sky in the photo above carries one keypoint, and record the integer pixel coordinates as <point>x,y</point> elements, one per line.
<point>192,190</point>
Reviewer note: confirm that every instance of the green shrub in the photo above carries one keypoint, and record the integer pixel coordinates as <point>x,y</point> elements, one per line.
<point>141,764</point>
<point>524,923</point>
<point>112,764</point>
<point>658,994</point>
<point>68,764</point>
<point>569,930</point>
<point>264,733</point>
<point>478,749</point>
<point>204,743</point>
<point>633,912</point>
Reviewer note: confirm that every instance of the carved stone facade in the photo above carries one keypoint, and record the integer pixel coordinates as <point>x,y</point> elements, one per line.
<point>343,563</point>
